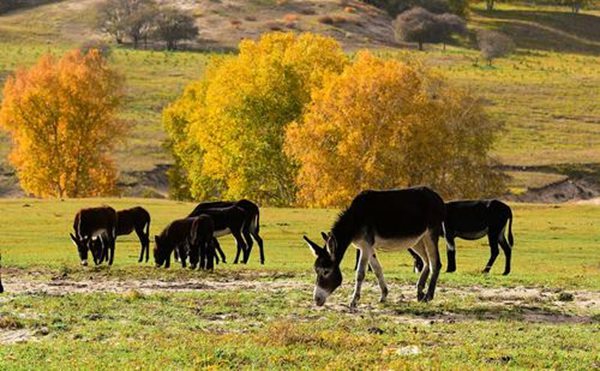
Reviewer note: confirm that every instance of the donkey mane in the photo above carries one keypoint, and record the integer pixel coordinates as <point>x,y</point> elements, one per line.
<point>346,227</point>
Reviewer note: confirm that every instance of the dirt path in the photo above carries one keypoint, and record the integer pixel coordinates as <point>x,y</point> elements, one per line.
<point>521,297</point>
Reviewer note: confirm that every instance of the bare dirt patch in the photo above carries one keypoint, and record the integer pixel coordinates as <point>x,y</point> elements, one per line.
<point>15,336</point>
<point>534,305</point>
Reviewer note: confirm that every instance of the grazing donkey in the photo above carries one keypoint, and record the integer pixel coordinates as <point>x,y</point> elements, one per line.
<point>135,219</point>
<point>395,219</point>
<point>228,218</point>
<point>91,224</point>
<point>193,234</point>
<point>472,220</point>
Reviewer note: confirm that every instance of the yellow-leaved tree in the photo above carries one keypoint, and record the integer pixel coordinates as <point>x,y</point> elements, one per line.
<point>61,117</point>
<point>383,124</point>
<point>227,130</point>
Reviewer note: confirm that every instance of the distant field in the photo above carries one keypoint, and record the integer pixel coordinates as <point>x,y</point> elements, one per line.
<point>56,314</point>
<point>547,93</point>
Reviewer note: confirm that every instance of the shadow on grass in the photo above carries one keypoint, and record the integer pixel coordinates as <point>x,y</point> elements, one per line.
<point>529,313</point>
<point>546,30</point>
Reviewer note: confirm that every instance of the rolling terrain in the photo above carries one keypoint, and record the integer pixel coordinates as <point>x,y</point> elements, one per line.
<point>546,93</point>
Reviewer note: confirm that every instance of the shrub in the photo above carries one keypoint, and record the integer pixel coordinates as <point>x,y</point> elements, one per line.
<point>494,44</point>
<point>420,25</point>
<point>385,124</point>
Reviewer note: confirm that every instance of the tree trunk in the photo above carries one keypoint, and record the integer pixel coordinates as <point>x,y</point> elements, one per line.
<point>420,45</point>
<point>489,5</point>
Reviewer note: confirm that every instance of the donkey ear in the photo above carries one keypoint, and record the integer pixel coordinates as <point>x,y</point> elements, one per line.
<point>316,249</point>
<point>331,244</point>
<point>325,236</point>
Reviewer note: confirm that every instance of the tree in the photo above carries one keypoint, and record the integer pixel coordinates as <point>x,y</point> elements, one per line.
<point>174,25</point>
<point>489,5</point>
<point>575,5</point>
<point>127,18</point>
<point>227,130</point>
<point>494,44</point>
<point>383,124</point>
<point>418,24</point>
<point>61,116</point>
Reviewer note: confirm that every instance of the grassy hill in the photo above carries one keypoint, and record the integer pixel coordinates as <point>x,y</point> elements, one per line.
<point>546,93</point>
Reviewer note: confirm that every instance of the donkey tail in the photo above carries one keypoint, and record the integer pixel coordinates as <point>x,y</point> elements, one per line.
<point>511,241</point>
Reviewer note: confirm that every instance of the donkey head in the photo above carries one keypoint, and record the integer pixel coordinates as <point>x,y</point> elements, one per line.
<point>82,244</point>
<point>159,251</point>
<point>329,275</point>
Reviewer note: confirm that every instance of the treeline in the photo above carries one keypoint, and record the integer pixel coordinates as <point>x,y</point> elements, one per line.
<point>137,21</point>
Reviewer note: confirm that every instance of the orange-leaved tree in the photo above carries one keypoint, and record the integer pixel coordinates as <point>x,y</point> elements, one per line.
<point>227,130</point>
<point>383,124</point>
<point>61,117</point>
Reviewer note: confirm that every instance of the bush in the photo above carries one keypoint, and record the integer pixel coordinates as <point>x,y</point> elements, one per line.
<point>494,44</point>
<point>227,130</point>
<point>385,124</point>
<point>420,25</point>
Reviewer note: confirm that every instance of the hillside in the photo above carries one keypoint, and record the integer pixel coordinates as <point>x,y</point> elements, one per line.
<point>547,93</point>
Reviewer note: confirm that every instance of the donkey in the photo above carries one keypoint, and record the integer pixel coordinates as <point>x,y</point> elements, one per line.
<point>135,219</point>
<point>193,234</point>
<point>227,219</point>
<point>251,224</point>
<point>472,220</point>
<point>89,225</point>
<point>394,219</point>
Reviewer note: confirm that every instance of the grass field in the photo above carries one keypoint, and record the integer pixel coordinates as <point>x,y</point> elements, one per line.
<point>136,316</point>
<point>546,93</point>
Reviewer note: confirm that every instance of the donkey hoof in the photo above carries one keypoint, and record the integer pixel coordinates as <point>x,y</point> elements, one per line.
<point>506,273</point>
<point>420,296</point>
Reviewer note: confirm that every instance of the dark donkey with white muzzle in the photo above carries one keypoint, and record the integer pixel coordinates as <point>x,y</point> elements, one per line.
<point>89,225</point>
<point>394,220</point>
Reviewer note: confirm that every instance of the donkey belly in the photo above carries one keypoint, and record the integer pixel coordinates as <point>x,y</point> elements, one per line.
<point>472,235</point>
<point>222,232</point>
<point>394,244</point>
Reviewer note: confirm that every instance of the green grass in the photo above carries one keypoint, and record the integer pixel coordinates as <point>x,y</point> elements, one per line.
<point>262,316</point>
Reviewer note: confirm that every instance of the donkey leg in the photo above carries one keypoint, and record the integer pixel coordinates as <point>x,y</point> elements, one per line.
<point>494,251</point>
<point>418,262</point>
<point>249,243</point>
<point>451,254</point>
<point>241,245</point>
<point>259,242</point>
<point>144,242</point>
<point>112,251</point>
<point>433,256</point>
<point>360,274</point>
<point>419,249</point>
<point>219,250</point>
<point>379,274</point>
<point>507,254</point>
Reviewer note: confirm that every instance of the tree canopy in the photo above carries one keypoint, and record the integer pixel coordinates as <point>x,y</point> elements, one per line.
<point>61,117</point>
<point>385,124</point>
